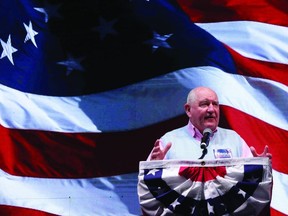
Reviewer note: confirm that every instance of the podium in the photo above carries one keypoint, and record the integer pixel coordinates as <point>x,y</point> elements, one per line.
<point>238,186</point>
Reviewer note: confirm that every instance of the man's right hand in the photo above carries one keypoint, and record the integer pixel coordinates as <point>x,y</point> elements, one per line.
<point>158,153</point>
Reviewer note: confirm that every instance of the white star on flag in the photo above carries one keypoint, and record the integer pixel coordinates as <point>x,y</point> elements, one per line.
<point>72,64</point>
<point>8,50</point>
<point>105,27</point>
<point>30,33</point>
<point>159,41</point>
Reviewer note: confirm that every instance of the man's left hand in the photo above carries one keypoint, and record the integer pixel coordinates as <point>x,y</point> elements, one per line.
<point>265,153</point>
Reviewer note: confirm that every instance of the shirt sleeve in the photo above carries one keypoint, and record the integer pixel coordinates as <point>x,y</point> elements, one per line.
<point>246,152</point>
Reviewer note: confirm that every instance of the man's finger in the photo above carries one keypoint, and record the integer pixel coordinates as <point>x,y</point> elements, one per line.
<point>157,143</point>
<point>266,149</point>
<point>167,147</point>
<point>253,150</point>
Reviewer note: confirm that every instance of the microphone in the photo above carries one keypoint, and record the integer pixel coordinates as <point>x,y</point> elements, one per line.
<point>206,138</point>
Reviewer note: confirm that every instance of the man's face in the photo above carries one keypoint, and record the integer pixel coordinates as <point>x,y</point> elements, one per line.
<point>204,111</point>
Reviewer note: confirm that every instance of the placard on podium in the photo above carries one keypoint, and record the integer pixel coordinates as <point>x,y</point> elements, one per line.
<point>238,186</point>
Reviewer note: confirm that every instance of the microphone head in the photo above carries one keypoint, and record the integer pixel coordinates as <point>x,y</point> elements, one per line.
<point>207,130</point>
<point>206,137</point>
<point>203,145</point>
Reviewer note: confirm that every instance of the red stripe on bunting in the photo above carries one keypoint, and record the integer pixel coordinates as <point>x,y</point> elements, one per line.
<point>274,212</point>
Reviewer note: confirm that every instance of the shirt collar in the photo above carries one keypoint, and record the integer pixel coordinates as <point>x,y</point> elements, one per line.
<point>196,133</point>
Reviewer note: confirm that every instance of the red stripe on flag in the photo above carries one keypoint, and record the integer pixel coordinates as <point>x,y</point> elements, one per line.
<point>37,153</point>
<point>18,211</point>
<point>258,133</point>
<point>86,154</point>
<point>272,12</point>
<point>261,69</point>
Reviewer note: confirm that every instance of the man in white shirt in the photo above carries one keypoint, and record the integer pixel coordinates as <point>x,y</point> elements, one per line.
<point>202,108</point>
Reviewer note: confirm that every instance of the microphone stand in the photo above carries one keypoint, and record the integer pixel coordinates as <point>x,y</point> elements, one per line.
<point>204,152</point>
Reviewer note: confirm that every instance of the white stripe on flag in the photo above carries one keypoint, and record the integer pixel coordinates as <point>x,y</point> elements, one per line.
<point>280,192</point>
<point>86,111</point>
<point>73,197</point>
<point>255,40</point>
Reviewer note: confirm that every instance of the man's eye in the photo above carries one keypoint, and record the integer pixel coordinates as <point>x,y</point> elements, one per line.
<point>204,105</point>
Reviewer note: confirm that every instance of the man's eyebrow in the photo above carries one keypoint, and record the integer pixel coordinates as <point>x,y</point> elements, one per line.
<point>207,100</point>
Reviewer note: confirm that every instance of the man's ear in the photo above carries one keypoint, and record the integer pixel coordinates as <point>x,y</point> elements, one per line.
<point>187,109</point>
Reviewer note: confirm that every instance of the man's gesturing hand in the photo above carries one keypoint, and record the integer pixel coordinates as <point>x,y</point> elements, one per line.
<point>265,153</point>
<point>158,153</point>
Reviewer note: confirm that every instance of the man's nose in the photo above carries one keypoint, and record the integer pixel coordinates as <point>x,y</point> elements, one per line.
<point>210,107</point>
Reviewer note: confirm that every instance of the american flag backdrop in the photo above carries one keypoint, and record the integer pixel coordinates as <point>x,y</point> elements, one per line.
<point>87,86</point>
